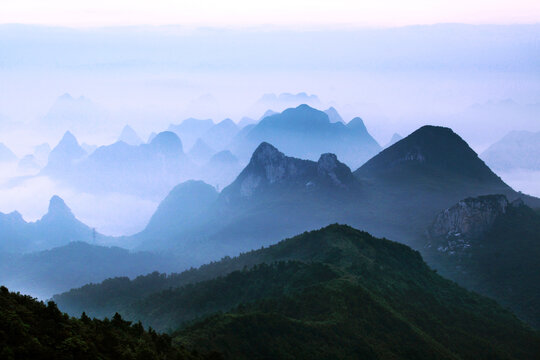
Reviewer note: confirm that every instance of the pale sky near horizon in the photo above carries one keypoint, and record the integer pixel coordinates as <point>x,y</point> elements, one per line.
<point>238,13</point>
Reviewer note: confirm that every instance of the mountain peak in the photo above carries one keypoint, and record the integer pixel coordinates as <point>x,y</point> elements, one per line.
<point>269,167</point>
<point>333,115</point>
<point>227,122</point>
<point>268,113</point>
<point>224,156</point>
<point>395,138</point>
<point>427,152</point>
<point>69,138</point>
<point>357,124</point>
<point>168,142</point>
<point>129,136</point>
<point>330,168</point>
<point>302,117</point>
<point>65,153</point>
<point>57,207</point>
<point>265,153</point>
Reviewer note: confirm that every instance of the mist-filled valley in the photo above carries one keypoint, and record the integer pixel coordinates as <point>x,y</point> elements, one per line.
<point>270,192</point>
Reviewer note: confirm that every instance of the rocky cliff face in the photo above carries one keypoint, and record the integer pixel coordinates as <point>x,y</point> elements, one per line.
<point>455,227</point>
<point>269,168</point>
<point>331,171</point>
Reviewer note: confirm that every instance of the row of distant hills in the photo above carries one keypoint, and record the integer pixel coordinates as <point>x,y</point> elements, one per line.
<point>235,291</point>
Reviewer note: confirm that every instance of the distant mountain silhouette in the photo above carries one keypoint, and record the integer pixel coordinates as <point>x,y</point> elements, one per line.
<point>181,206</point>
<point>274,194</point>
<point>396,194</point>
<point>129,136</point>
<point>190,130</point>
<point>151,137</point>
<point>306,133</point>
<point>246,121</point>
<point>29,163</point>
<point>148,170</point>
<point>333,115</point>
<point>222,168</point>
<point>64,156</point>
<point>76,114</point>
<point>56,228</point>
<point>41,153</point>
<point>77,263</point>
<point>221,134</point>
<point>89,148</point>
<point>267,113</point>
<point>517,150</point>
<point>6,155</point>
<point>200,153</point>
<point>395,138</point>
<point>285,100</point>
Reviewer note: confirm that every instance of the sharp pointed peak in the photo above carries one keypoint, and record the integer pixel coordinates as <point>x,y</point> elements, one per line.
<point>68,134</point>
<point>68,139</point>
<point>265,154</point>
<point>57,206</point>
<point>265,148</point>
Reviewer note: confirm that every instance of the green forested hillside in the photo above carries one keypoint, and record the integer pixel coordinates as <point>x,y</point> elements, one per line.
<point>335,293</point>
<point>29,329</point>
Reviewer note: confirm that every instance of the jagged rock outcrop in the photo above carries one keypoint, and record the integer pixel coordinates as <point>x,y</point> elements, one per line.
<point>330,170</point>
<point>491,246</point>
<point>269,167</point>
<point>454,227</point>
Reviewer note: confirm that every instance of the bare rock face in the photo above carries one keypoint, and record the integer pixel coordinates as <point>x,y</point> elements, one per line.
<point>454,227</point>
<point>331,170</point>
<point>269,168</point>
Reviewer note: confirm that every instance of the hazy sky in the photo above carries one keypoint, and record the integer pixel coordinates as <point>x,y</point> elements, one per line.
<point>81,13</point>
